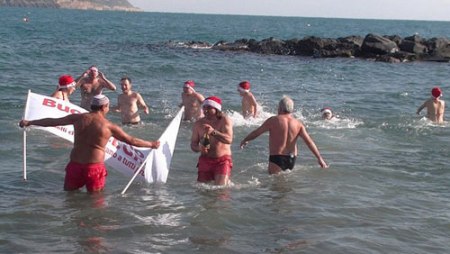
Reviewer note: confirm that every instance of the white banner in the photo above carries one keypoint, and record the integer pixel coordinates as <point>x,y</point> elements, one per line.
<point>119,155</point>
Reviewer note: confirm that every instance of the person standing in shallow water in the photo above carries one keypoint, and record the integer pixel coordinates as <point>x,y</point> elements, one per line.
<point>284,130</point>
<point>92,132</point>
<point>91,83</point>
<point>128,103</point>
<point>65,88</point>
<point>212,136</point>
<point>249,104</point>
<point>435,106</point>
<point>192,102</point>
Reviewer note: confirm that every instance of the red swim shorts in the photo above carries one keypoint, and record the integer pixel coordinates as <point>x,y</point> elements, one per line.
<point>93,175</point>
<point>210,167</point>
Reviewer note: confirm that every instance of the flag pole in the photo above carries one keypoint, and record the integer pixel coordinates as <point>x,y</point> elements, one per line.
<point>24,155</point>
<point>136,173</point>
<point>25,141</point>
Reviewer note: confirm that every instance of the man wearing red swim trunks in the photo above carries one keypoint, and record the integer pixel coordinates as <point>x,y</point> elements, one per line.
<point>212,136</point>
<point>92,132</point>
<point>284,130</point>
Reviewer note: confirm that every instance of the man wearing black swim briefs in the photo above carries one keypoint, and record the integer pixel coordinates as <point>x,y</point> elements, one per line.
<point>283,161</point>
<point>284,130</point>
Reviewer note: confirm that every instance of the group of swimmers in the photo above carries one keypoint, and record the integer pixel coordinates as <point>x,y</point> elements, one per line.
<point>212,132</point>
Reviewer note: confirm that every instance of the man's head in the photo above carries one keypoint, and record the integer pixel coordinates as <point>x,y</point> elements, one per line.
<point>100,102</point>
<point>244,87</point>
<point>327,114</point>
<point>93,71</point>
<point>66,82</point>
<point>436,92</point>
<point>188,86</point>
<point>125,84</point>
<point>212,105</point>
<point>286,105</point>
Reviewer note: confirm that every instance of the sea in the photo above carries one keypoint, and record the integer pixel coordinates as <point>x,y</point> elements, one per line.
<point>386,190</point>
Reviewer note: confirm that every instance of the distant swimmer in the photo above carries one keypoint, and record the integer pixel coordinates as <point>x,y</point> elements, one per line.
<point>435,106</point>
<point>192,102</point>
<point>212,136</point>
<point>65,88</point>
<point>249,104</point>
<point>129,102</point>
<point>92,133</point>
<point>327,113</point>
<point>91,83</point>
<point>284,130</point>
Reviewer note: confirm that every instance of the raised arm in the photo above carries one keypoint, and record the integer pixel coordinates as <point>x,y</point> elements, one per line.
<point>119,134</point>
<point>107,84</point>
<point>47,122</point>
<point>200,98</point>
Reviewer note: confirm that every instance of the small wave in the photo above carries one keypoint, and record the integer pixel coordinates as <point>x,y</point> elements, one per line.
<point>337,123</point>
<point>253,182</point>
<point>190,44</point>
<point>239,120</point>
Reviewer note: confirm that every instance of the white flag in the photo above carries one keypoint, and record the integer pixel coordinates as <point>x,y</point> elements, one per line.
<point>158,164</point>
<point>119,155</point>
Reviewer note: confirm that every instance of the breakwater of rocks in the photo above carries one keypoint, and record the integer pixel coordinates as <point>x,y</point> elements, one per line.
<point>386,48</point>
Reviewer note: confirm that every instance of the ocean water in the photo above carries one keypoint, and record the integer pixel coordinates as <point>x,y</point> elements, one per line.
<point>386,191</point>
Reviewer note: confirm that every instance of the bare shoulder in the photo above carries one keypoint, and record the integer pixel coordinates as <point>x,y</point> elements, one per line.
<point>199,96</point>
<point>226,120</point>
<point>114,128</point>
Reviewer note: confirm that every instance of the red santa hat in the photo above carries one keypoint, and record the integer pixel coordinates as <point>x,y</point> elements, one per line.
<point>214,102</point>
<point>326,110</point>
<point>66,81</point>
<point>436,92</point>
<point>189,84</point>
<point>244,86</point>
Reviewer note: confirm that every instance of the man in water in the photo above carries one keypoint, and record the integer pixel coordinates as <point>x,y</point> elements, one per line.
<point>249,105</point>
<point>435,106</point>
<point>92,132</point>
<point>65,88</point>
<point>212,136</point>
<point>128,103</point>
<point>327,114</point>
<point>284,131</point>
<point>192,101</point>
<point>91,83</point>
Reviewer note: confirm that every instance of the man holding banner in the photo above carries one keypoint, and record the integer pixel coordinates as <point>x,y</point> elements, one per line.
<point>92,132</point>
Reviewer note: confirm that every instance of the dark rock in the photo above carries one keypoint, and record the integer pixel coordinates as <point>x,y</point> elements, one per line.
<point>378,45</point>
<point>389,48</point>
<point>413,47</point>
<point>270,46</point>
<point>395,38</point>
<point>387,59</point>
<point>438,50</point>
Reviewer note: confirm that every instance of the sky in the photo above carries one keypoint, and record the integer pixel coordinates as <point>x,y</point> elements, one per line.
<point>366,9</point>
